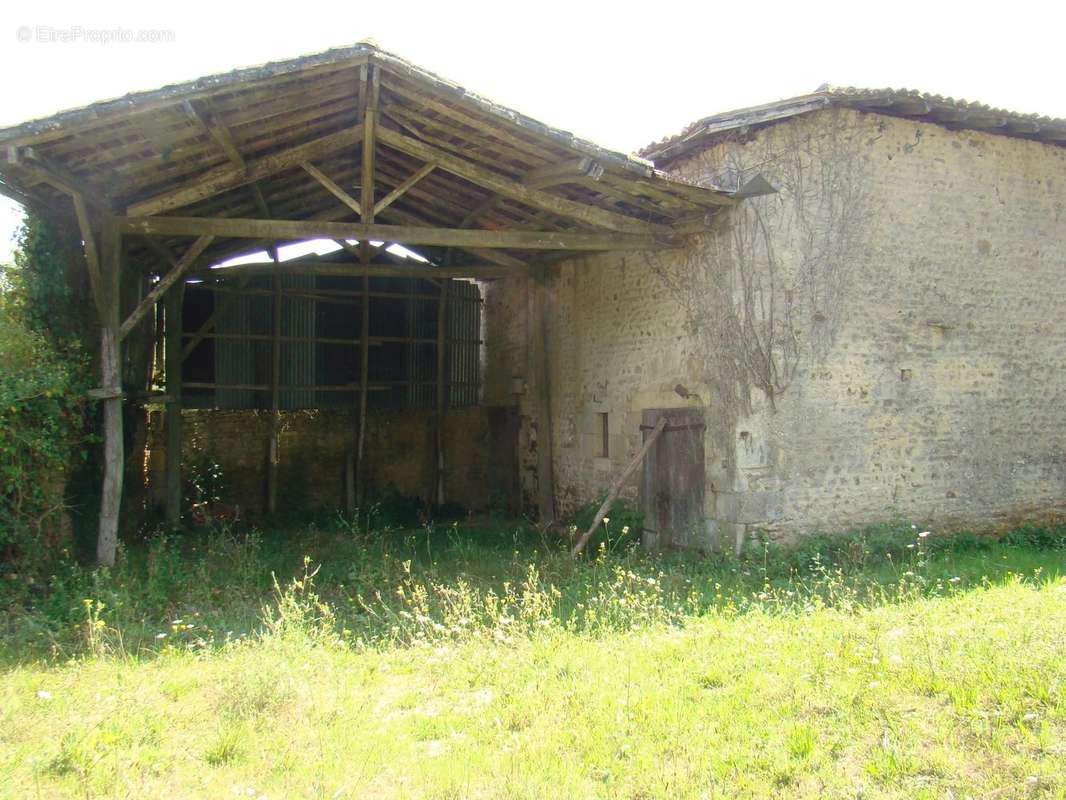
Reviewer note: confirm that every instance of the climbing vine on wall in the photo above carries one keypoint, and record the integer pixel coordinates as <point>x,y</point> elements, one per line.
<point>763,290</point>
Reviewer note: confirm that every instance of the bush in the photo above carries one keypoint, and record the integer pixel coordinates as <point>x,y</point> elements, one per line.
<point>41,416</point>
<point>42,397</point>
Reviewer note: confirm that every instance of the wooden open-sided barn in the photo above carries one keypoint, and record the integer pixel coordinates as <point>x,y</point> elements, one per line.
<point>353,145</point>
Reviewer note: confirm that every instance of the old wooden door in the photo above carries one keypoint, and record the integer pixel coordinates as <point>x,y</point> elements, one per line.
<point>673,487</point>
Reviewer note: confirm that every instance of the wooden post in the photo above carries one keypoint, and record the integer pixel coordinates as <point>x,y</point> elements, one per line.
<point>173,359</point>
<point>542,397</point>
<point>441,397</point>
<point>273,445</point>
<point>369,100</point>
<point>111,380</point>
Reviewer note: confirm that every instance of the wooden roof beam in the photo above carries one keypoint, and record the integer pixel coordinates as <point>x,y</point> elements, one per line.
<point>298,267</point>
<point>207,121</point>
<point>495,182</point>
<point>278,229</point>
<point>229,176</point>
<point>493,256</point>
<point>25,161</point>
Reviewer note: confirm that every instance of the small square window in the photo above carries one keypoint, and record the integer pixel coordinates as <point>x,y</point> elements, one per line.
<point>605,435</point>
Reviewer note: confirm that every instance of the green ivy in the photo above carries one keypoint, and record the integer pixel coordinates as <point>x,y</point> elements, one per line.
<point>43,386</point>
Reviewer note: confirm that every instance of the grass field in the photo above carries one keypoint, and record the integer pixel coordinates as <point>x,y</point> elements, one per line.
<point>484,662</point>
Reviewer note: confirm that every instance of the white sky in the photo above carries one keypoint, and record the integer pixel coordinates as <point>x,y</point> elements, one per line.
<point>620,74</point>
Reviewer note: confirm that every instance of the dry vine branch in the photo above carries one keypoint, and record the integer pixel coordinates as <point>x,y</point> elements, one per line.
<point>765,289</point>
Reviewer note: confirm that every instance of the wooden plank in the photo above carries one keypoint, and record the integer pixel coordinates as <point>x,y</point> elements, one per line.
<point>402,189</point>
<point>495,182</point>
<point>331,187</point>
<point>173,359</point>
<point>570,171</point>
<point>164,283</point>
<point>619,482</point>
<point>228,176</point>
<point>278,229</point>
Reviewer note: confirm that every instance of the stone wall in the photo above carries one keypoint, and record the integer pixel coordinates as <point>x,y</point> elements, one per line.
<point>314,450</point>
<point>930,386</point>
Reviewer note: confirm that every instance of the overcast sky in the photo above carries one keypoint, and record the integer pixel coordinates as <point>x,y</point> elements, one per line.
<point>621,75</point>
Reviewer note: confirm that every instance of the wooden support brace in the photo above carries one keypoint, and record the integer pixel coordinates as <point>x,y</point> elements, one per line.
<point>402,189</point>
<point>616,487</point>
<point>330,186</point>
<point>164,283</point>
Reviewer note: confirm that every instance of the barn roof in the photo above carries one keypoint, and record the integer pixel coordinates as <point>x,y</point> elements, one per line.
<point>906,103</point>
<point>282,141</point>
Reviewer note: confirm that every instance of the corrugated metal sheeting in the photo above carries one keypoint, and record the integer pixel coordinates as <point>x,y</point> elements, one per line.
<point>321,322</point>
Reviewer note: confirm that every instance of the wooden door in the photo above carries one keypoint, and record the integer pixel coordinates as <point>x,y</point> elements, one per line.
<point>673,486</point>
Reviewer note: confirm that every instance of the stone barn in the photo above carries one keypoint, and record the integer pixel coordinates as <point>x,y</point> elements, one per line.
<point>329,280</point>
<point>881,337</point>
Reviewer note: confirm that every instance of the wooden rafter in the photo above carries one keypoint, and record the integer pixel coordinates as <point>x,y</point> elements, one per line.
<point>228,176</point>
<point>206,120</point>
<point>210,122</point>
<point>495,182</point>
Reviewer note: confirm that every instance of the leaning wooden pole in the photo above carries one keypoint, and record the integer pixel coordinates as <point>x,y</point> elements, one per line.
<point>111,383</point>
<point>172,304</point>
<point>616,487</point>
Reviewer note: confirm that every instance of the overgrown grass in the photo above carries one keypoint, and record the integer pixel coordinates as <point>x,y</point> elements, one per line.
<point>481,660</point>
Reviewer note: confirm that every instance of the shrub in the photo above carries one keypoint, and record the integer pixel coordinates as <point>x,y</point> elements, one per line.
<point>42,396</point>
<point>41,419</point>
